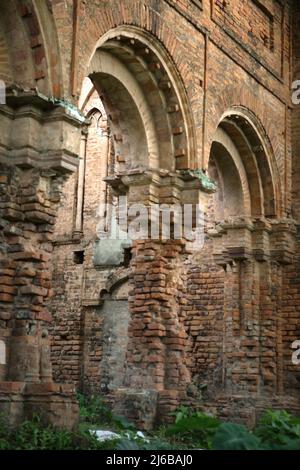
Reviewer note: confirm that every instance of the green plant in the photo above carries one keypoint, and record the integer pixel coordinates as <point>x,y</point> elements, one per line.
<point>278,427</point>
<point>31,435</point>
<point>182,412</point>
<point>34,435</point>
<point>93,410</point>
<point>230,436</point>
<point>122,423</point>
<point>127,444</point>
<point>194,427</point>
<point>276,430</point>
<point>4,433</point>
<point>158,444</point>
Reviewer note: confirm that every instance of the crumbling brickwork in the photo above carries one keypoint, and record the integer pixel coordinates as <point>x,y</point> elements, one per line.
<point>161,102</point>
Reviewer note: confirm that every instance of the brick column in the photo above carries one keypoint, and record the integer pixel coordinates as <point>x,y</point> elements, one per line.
<point>252,342</point>
<point>156,375</point>
<point>31,177</point>
<point>157,338</point>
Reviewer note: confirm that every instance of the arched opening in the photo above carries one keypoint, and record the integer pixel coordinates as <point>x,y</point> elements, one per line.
<point>137,123</point>
<point>232,198</point>
<point>252,156</point>
<point>145,101</point>
<point>152,135</point>
<point>230,291</point>
<point>27,40</point>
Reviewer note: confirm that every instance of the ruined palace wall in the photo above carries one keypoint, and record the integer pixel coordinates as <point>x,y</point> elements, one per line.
<point>216,51</point>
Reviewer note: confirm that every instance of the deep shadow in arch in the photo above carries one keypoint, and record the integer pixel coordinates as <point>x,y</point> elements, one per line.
<point>240,134</point>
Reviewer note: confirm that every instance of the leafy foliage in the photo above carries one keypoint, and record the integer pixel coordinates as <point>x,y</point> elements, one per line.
<point>122,423</point>
<point>279,430</point>
<point>34,435</point>
<point>194,428</point>
<point>93,410</point>
<point>276,430</point>
<point>230,436</point>
<point>4,433</point>
<point>191,430</point>
<point>182,412</point>
<point>127,444</point>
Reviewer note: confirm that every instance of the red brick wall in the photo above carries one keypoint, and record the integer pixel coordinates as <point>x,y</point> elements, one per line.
<point>244,62</point>
<point>290,291</point>
<point>204,319</point>
<point>290,325</point>
<point>66,307</point>
<point>76,331</point>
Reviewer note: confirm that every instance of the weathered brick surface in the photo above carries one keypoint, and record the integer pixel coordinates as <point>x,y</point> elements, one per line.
<point>231,317</point>
<point>25,286</point>
<point>224,317</point>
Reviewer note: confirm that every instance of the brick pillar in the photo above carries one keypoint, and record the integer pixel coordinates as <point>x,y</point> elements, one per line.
<point>156,375</point>
<point>241,328</point>
<point>157,337</point>
<point>269,333</point>
<point>29,252</point>
<point>31,175</point>
<point>27,211</point>
<point>253,326</point>
<point>156,361</point>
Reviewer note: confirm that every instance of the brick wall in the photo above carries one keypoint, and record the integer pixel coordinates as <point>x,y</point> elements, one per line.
<point>200,307</point>
<point>290,325</point>
<point>77,327</point>
<point>204,320</point>
<point>66,307</point>
<point>5,68</point>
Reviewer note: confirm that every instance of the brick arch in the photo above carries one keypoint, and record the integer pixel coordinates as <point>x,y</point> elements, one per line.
<point>241,102</point>
<point>127,61</point>
<point>93,112</point>
<point>232,176</point>
<point>138,18</point>
<point>18,44</point>
<point>127,99</point>
<point>259,163</point>
<point>116,280</point>
<point>29,32</point>
<point>131,14</point>
<point>241,97</point>
<point>49,48</point>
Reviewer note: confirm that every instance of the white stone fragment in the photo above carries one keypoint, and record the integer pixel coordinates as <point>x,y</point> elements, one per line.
<point>105,435</point>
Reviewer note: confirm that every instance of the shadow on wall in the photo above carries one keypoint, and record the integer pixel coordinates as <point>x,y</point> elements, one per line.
<point>115,313</point>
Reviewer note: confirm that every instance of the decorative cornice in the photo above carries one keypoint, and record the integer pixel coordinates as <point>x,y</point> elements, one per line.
<point>207,184</point>
<point>17,97</point>
<point>39,131</point>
